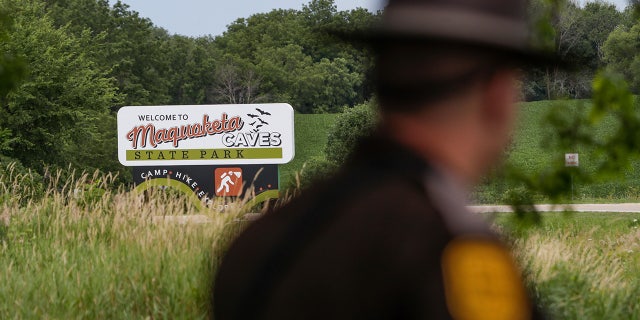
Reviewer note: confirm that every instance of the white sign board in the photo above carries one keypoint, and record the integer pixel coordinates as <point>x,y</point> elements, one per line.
<point>571,160</point>
<point>206,135</point>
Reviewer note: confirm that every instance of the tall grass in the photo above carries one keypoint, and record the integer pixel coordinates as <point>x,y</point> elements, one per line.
<point>82,249</point>
<point>584,266</point>
<point>69,254</point>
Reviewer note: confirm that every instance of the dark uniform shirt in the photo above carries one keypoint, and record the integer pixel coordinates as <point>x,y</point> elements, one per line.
<point>367,243</point>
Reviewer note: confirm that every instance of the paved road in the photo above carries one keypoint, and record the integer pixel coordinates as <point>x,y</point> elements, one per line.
<point>613,207</point>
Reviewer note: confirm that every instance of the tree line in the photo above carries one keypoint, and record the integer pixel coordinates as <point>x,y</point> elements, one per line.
<point>67,66</point>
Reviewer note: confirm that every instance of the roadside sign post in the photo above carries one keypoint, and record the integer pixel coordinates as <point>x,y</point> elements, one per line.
<point>571,160</point>
<point>208,151</point>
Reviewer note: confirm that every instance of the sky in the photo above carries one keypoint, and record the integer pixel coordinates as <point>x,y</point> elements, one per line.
<point>210,17</point>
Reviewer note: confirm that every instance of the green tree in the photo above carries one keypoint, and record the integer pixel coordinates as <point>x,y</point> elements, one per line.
<point>351,126</point>
<point>190,69</point>
<point>133,49</point>
<point>296,60</point>
<point>11,72</point>
<point>123,44</point>
<point>327,86</point>
<point>282,69</point>
<point>11,67</point>
<point>58,113</point>
<point>577,35</point>
<point>600,19</point>
<point>622,53</point>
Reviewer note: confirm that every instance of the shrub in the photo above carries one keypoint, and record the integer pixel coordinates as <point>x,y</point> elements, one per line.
<point>352,125</point>
<point>312,171</point>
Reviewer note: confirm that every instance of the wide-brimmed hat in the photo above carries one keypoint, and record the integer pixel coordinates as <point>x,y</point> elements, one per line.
<point>492,24</point>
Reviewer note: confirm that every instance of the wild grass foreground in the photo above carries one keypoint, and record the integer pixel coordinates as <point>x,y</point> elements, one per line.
<point>581,265</point>
<point>69,254</point>
<point>88,252</point>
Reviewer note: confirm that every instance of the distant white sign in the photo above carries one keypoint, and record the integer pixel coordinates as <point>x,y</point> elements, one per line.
<point>206,135</point>
<point>571,160</point>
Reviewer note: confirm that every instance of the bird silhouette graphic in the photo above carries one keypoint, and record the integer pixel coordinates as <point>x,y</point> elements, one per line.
<point>263,122</point>
<point>263,113</point>
<point>252,115</point>
<point>259,126</point>
<point>253,123</point>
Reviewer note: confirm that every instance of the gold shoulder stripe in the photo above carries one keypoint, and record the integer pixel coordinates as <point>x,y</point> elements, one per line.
<point>482,282</point>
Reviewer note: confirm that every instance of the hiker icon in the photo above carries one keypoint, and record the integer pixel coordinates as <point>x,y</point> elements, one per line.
<point>228,182</point>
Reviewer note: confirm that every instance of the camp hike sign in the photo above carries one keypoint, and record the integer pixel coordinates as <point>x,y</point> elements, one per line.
<point>205,183</point>
<point>205,135</point>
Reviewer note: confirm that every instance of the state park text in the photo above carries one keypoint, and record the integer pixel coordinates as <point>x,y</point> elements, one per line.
<point>204,154</point>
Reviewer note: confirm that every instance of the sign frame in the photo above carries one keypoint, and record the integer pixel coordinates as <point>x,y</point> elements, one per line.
<point>571,160</point>
<point>206,135</point>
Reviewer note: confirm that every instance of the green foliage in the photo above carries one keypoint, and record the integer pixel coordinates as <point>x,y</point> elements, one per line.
<point>150,66</point>
<point>622,55</point>
<point>63,100</point>
<point>350,126</point>
<point>12,68</point>
<point>293,59</point>
<point>577,35</point>
<point>312,171</point>
<point>189,65</point>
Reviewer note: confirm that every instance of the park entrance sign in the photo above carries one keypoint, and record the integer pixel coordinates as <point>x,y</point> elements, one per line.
<point>205,135</point>
<point>208,151</point>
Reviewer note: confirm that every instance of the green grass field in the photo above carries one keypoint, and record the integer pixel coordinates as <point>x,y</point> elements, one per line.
<point>531,152</point>
<point>311,137</point>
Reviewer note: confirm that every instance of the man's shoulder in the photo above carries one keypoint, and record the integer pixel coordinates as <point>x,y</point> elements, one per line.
<point>367,203</point>
<point>365,198</point>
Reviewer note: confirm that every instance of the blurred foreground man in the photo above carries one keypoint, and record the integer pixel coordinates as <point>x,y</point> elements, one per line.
<point>389,236</point>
